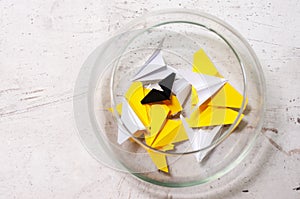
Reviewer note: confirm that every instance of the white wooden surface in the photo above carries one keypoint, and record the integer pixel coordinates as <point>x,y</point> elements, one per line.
<point>42,47</point>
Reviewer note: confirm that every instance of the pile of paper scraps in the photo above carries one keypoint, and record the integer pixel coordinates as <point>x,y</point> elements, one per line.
<point>154,111</point>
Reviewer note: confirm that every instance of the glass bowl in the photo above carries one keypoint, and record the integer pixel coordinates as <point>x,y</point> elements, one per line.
<point>106,75</point>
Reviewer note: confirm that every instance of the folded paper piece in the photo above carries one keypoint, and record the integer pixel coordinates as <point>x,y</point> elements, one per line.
<point>158,74</point>
<point>173,104</point>
<point>200,139</point>
<point>167,134</point>
<point>152,65</point>
<point>227,97</point>
<point>182,89</point>
<point>212,116</point>
<point>155,95</point>
<point>204,85</point>
<point>156,110</point>
<point>130,121</point>
<point>159,160</point>
<point>154,69</point>
<point>158,115</point>
<point>218,104</point>
<point>202,64</point>
<point>172,130</point>
<point>181,135</point>
<point>134,95</point>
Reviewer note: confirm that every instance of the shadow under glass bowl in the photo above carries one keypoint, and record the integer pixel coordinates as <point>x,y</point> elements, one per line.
<point>105,77</point>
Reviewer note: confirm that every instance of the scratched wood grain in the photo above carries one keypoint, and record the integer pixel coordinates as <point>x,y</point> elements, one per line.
<point>42,47</point>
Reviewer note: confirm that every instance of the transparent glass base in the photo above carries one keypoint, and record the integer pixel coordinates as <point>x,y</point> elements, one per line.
<point>105,77</point>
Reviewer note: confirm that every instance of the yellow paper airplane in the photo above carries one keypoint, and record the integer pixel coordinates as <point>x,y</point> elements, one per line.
<point>212,116</point>
<point>158,116</point>
<point>227,97</point>
<point>167,134</point>
<point>216,110</point>
<point>172,132</point>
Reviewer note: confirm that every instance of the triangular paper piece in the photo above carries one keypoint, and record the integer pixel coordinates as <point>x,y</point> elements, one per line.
<point>202,64</point>
<point>148,106</point>
<point>155,95</point>
<point>200,138</point>
<point>181,134</point>
<point>212,116</point>
<point>200,81</point>
<point>119,108</point>
<point>174,105</point>
<point>207,93</point>
<point>158,115</point>
<point>206,139</point>
<point>154,63</point>
<point>194,97</point>
<point>168,147</point>
<point>134,95</point>
<point>227,97</point>
<point>157,74</point>
<point>167,134</point>
<point>130,121</point>
<point>122,135</point>
<point>205,85</point>
<point>181,89</point>
<point>167,83</point>
<point>159,160</point>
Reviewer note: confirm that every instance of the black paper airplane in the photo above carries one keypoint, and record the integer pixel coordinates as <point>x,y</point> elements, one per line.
<point>159,96</point>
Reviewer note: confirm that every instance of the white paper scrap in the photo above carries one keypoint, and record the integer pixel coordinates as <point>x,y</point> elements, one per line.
<point>181,88</point>
<point>200,138</point>
<point>130,121</point>
<point>159,74</point>
<point>154,63</point>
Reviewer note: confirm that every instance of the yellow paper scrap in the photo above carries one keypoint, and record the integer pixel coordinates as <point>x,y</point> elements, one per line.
<point>202,64</point>
<point>167,134</point>
<point>212,116</point>
<point>194,97</point>
<point>159,160</point>
<point>118,109</point>
<point>181,134</point>
<point>158,115</point>
<point>134,95</point>
<point>174,106</point>
<point>168,147</point>
<point>148,106</point>
<point>214,112</point>
<point>227,97</point>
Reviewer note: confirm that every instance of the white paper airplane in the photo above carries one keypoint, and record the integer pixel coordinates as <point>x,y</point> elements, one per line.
<point>130,121</point>
<point>155,68</point>
<point>200,138</point>
<point>154,63</point>
<point>157,74</point>
<point>205,85</point>
<point>206,138</point>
